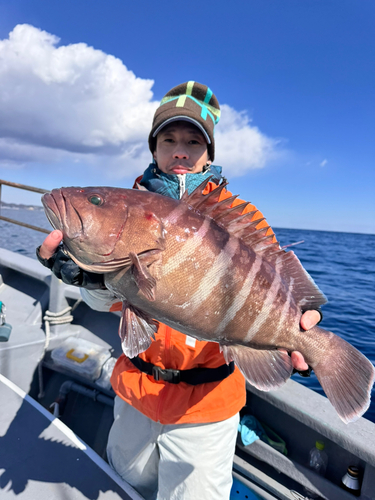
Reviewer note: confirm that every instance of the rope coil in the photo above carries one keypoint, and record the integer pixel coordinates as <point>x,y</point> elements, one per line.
<point>50,319</point>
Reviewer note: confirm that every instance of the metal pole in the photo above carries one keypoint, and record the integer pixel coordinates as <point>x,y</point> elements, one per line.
<point>57,301</point>
<point>23,224</point>
<point>27,188</point>
<point>23,186</point>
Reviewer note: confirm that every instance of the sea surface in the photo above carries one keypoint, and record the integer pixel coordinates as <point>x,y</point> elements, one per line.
<point>342,265</point>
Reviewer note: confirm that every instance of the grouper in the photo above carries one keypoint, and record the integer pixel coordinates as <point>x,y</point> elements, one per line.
<point>203,267</point>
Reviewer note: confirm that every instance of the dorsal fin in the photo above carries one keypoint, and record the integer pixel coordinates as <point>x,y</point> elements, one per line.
<point>232,219</point>
<point>220,208</point>
<point>197,198</point>
<point>254,236</point>
<point>305,292</point>
<point>243,226</point>
<point>233,213</point>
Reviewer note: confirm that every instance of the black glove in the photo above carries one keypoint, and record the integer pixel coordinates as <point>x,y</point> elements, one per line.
<point>64,268</point>
<point>304,373</point>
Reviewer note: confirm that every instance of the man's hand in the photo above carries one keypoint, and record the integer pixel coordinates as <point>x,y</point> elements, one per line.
<point>298,362</point>
<point>52,256</point>
<point>308,320</point>
<point>50,244</point>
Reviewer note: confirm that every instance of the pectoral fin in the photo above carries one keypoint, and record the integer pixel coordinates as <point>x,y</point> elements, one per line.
<point>265,370</point>
<point>145,282</point>
<point>136,330</point>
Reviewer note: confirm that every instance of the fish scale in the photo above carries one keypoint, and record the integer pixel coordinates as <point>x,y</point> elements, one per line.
<point>205,267</point>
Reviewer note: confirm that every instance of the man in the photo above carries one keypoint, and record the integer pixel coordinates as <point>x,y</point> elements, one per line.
<point>174,440</point>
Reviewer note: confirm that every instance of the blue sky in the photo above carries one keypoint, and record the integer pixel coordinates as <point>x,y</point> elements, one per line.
<point>295,78</point>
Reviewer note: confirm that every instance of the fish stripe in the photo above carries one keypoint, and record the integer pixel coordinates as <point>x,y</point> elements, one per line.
<point>190,247</point>
<point>217,271</point>
<point>175,215</point>
<point>284,312</point>
<point>242,296</point>
<point>263,315</point>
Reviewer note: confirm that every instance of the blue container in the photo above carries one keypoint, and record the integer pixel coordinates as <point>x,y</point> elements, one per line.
<point>240,491</point>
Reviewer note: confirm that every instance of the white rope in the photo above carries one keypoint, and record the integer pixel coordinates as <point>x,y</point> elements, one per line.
<point>50,319</point>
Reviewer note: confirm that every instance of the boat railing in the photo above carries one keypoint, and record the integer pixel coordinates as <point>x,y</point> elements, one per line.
<point>27,188</point>
<point>59,292</point>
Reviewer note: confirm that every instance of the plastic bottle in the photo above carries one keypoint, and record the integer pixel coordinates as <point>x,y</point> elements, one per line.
<point>350,481</point>
<point>318,461</point>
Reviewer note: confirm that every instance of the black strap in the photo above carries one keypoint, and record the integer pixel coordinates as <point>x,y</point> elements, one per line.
<point>194,376</point>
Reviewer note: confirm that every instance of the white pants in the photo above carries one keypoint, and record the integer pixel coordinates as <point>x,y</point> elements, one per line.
<point>172,462</point>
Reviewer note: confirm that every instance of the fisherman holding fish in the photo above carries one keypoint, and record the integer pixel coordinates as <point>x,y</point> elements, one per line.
<point>177,403</point>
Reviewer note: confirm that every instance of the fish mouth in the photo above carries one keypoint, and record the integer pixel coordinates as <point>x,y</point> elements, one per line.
<point>59,210</point>
<point>52,211</point>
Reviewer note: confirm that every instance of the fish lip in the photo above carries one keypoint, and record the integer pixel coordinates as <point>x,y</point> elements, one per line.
<point>52,214</point>
<point>57,208</point>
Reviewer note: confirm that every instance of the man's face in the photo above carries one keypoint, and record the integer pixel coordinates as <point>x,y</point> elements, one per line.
<point>181,149</point>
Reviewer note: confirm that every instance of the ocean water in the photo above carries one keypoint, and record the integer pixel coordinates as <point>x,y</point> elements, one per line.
<point>342,265</point>
<point>21,239</point>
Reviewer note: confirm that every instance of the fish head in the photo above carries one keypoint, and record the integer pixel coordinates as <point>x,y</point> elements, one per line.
<point>102,225</point>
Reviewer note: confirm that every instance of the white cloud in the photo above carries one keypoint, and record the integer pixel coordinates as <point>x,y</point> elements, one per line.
<point>68,100</point>
<point>76,102</point>
<point>324,163</point>
<point>239,145</point>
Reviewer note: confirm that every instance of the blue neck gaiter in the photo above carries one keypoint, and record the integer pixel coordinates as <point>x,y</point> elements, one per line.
<point>169,184</point>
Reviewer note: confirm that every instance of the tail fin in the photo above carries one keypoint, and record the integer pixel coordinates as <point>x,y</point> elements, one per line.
<point>347,377</point>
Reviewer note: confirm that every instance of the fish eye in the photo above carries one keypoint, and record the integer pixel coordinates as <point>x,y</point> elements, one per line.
<point>96,200</point>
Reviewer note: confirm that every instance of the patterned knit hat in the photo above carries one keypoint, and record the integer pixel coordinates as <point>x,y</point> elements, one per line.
<point>191,102</point>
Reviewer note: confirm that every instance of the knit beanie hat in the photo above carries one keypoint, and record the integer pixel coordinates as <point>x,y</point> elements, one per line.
<point>191,102</point>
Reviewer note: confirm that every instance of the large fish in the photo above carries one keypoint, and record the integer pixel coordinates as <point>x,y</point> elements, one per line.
<point>203,268</point>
